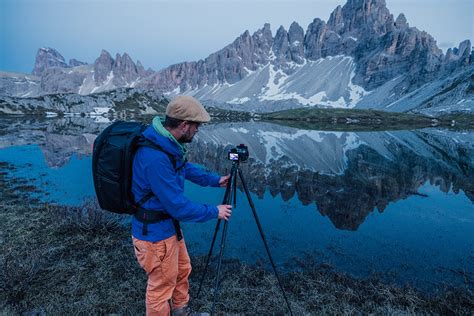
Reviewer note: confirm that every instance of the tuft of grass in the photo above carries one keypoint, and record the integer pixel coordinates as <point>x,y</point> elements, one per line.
<point>19,270</point>
<point>90,218</point>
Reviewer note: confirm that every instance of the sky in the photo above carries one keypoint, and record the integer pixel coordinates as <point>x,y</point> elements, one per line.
<point>164,32</point>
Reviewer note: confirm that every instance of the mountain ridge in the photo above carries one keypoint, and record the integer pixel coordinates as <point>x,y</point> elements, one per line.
<point>361,45</point>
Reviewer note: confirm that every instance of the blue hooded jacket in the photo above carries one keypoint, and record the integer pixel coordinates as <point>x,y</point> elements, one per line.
<point>153,170</point>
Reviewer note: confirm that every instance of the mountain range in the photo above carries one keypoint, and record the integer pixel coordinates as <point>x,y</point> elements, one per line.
<point>361,57</point>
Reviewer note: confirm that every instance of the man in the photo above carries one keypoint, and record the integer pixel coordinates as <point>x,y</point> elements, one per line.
<point>158,178</point>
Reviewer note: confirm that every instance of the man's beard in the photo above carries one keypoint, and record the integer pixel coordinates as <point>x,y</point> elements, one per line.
<point>186,138</point>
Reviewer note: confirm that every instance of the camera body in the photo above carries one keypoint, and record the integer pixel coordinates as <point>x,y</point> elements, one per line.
<point>239,153</point>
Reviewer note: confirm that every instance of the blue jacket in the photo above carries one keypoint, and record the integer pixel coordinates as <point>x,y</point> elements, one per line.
<point>153,170</point>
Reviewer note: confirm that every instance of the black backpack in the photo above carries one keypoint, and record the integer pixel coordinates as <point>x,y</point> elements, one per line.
<point>112,159</point>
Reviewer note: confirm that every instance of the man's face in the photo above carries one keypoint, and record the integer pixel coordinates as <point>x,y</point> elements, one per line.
<point>189,129</point>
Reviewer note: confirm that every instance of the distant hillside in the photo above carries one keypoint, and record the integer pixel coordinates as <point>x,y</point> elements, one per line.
<point>119,102</point>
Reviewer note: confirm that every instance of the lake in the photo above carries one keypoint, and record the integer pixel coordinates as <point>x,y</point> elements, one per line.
<point>398,204</point>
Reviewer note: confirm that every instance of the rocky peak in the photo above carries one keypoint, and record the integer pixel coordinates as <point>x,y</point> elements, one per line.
<point>264,34</point>
<point>313,40</point>
<point>74,63</point>
<point>296,40</point>
<point>336,20</point>
<point>102,67</point>
<point>125,68</point>
<point>460,55</point>
<point>401,21</point>
<point>243,47</point>
<point>263,41</point>
<point>46,58</point>
<point>280,45</point>
<point>140,69</point>
<point>244,38</point>
<point>360,16</point>
<point>464,51</point>
<point>288,46</point>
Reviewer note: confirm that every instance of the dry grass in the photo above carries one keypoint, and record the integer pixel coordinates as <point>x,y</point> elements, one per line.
<point>51,264</point>
<point>61,261</point>
<point>320,290</point>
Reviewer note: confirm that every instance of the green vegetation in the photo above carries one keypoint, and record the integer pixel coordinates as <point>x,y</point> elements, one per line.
<point>221,114</point>
<point>60,260</point>
<point>365,120</point>
<point>460,119</point>
<point>346,116</point>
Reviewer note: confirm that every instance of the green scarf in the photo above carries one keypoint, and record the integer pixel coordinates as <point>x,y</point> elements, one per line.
<point>160,129</point>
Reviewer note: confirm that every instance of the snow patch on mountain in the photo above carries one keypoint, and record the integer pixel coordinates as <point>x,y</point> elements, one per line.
<point>325,82</point>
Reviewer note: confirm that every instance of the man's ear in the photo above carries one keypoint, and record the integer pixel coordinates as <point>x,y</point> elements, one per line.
<point>183,124</point>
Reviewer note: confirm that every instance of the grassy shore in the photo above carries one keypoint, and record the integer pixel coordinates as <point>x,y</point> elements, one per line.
<point>356,119</point>
<point>59,260</point>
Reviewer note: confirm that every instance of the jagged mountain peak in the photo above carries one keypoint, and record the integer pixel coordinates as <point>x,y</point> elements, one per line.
<point>336,20</point>
<point>47,58</point>
<point>103,67</point>
<point>74,62</point>
<point>280,29</point>
<point>294,24</point>
<point>264,35</point>
<point>401,21</point>
<point>265,29</point>
<point>125,70</point>
<point>359,16</point>
<point>48,50</point>
<point>104,54</point>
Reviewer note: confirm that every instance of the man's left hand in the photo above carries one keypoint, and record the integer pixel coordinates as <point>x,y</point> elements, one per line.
<point>224,180</point>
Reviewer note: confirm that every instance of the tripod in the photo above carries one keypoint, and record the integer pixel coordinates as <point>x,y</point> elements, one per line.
<point>229,197</point>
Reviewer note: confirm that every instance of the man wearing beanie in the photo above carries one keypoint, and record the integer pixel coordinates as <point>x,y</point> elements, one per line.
<point>158,186</point>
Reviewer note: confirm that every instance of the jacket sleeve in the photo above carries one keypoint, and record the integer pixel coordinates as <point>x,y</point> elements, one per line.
<point>198,175</point>
<point>166,185</point>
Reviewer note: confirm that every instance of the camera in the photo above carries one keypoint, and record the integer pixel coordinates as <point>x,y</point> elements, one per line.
<point>239,153</point>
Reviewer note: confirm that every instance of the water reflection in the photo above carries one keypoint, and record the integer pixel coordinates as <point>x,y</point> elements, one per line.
<point>346,174</point>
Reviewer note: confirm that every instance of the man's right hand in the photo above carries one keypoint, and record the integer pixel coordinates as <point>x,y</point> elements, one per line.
<point>225,211</point>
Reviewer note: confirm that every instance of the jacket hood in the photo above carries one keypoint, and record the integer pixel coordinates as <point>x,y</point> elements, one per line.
<point>164,142</point>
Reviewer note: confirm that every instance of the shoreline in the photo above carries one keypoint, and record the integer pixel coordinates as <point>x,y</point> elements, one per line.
<point>306,118</point>
<point>72,260</point>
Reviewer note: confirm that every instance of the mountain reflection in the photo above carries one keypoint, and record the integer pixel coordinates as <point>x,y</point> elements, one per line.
<point>346,174</point>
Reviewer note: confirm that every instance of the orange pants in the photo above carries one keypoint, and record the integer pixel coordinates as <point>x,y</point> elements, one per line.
<point>168,267</point>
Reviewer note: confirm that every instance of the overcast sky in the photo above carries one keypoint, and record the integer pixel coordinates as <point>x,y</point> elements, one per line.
<point>164,32</point>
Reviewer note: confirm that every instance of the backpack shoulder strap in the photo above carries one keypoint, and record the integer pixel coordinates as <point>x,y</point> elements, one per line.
<point>142,141</point>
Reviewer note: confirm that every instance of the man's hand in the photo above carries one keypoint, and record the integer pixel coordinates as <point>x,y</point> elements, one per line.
<point>225,211</point>
<point>224,180</point>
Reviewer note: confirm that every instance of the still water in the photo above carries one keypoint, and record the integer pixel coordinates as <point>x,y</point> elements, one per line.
<point>394,203</point>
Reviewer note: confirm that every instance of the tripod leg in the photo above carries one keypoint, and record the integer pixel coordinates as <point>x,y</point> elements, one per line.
<point>232,183</point>
<point>235,190</point>
<point>260,229</point>
<point>226,200</point>
<point>208,258</point>
<point>219,263</point>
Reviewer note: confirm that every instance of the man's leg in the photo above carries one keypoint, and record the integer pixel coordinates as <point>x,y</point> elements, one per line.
<point>160,261</point>
<point>180,296</point>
